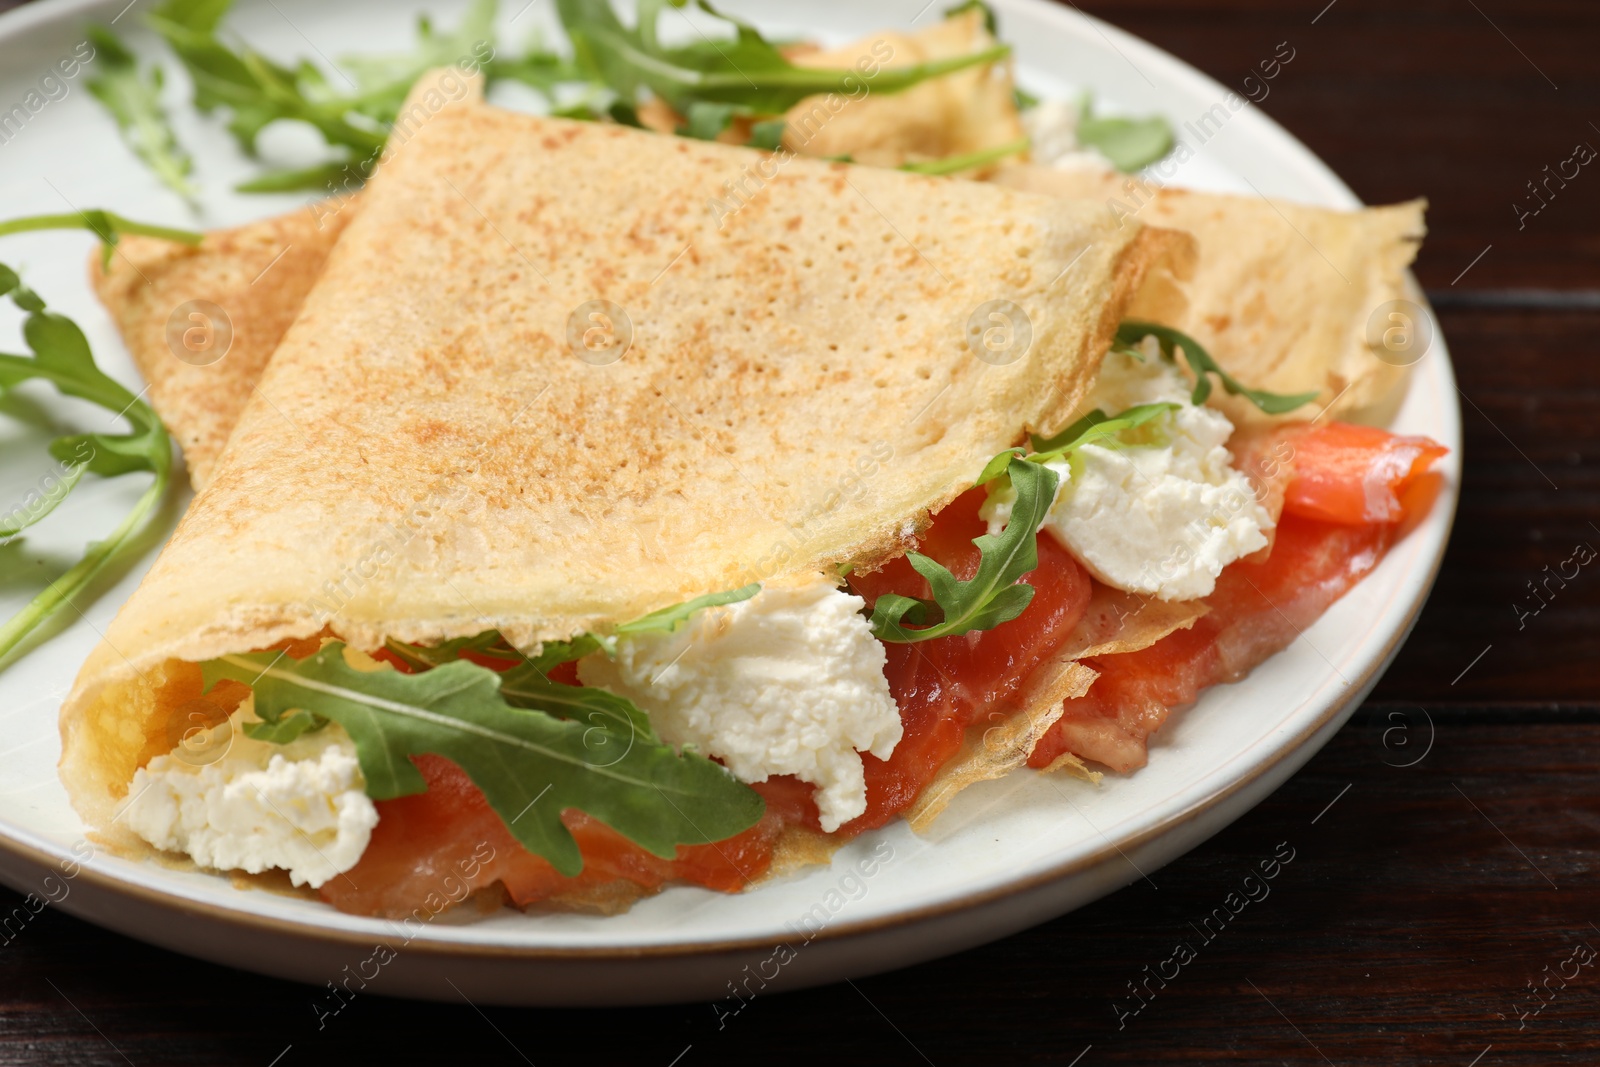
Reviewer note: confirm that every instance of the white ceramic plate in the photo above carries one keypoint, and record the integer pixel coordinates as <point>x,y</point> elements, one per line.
<point>1008,854</point>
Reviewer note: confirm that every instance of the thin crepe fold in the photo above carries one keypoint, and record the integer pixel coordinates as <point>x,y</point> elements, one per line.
<point>255,277</point>
<point>434,450</point>
<point>1290,298</point>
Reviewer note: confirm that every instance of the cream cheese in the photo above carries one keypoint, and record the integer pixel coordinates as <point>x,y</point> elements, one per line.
<point>788,682</point>
<point>1160,515</point>
<point>302,807</point>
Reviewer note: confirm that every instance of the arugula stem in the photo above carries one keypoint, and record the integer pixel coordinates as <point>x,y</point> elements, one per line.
<point>63,589</point>
<point>956,164</point>
<point>809,80</point>
<point>62,357</point>
<point>84,220</point>
<point>289,181</point>
<point>889,79</point>
<point>1133,331</point>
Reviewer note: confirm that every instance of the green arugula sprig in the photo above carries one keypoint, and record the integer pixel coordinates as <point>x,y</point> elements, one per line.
<point>256,91</point>
<point>134,101</point>
<point>1094,427</point>
<point>990,22</point>
<point>489,644</point>
<point>994,594</point>
<point>710,82</point>
<point>747,70</point>
<point>1128,143</point>
<point>382,82</point>
<point>615,723</point>
<point>1097,426</point>
<point>667,620</point>
<point>530,765</point>
<point>1132,332</point>
<point>60,355</point>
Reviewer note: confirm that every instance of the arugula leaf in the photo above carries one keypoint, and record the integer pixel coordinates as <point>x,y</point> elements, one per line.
<point>103,224</point>
<point>956,164</point>
<point>61,356</point>
<point>537,68</point>
<point>768,135</point>
<point>424,657</point>
<point>1130,333</point>
<point>527,684</point>
<point>134,101</point>
<point>382,82</point>
<point>993,594</point>
<point>628,115</point>
<point>664,621</point>
<point>707,120</point>
<point>1128,143</point>
<point>999,465</point>
<point>667,620</point>
<point>287,729</point>
<point>1096,426</point>
<point>707,81</point>
<point>747,70</point>
<point>990,23</point>
<point>20,518</point>
<point>616,717</point>
<point>256,91</point>
<point>493,645</point>
<point>530,766</point>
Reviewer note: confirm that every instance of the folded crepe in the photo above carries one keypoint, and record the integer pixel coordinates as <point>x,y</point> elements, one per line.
<point>1283,293</point>
<point>258,274</point>
<point>544,385</point>
<point>1281,296</point>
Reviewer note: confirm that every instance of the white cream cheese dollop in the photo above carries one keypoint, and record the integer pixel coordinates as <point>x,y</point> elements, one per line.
<point>788,682</point>
<point>1160,518</point>
<point>302,807</point>
<point>1052,128</point>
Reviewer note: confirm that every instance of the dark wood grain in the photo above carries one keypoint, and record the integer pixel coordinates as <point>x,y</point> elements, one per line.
<point>1418,905</point>
<point>1426,98</point>
<point>1529,497</point>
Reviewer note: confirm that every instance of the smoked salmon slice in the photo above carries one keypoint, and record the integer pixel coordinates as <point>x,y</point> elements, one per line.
<point>1354,474</point>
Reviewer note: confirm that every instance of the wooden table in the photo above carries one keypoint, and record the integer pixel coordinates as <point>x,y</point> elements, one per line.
<point>1423,900</point>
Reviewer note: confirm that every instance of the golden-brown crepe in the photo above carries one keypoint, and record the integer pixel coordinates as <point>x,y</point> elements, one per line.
<point>1283,292</point>
<point>1262,298</point>
<point>453,436</point>
<point>258,275</point>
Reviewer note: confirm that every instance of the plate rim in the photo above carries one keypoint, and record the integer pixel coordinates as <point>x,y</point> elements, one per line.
<point>27,846</point>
